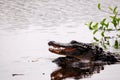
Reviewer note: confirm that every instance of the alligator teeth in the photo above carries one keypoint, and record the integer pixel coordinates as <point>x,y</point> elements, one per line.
<point>51,47</point>
<point>59,48</point>
<point>56,48</point>
<point>62,48</point>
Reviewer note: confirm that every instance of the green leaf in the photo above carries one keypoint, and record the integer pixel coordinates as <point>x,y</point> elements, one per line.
<point>102,34</point>
<point>109,29</point>
<point>103,21</point>
<point>90,25</point>
<point>107,37</point>
<point>95,26</point>
<point>110,8</point>
<point>116,44</point>
<point>114,11</point>
<point>114,21</point>
<point>94,32</point>
<point>104,46</point>
<point>118,20</point>
<point>111,17</point>
<point>101,27</point>
<point>106,25</point>
<point>99,6</point>
<point>95,39</point>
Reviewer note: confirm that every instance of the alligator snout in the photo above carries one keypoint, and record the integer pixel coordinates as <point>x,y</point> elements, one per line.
<point>51,42</point>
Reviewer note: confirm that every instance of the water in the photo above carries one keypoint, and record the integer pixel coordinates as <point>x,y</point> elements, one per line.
<point>26,26</point>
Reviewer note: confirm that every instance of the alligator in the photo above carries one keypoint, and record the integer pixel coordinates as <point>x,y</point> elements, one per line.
<point>83,51</point>
<point>80,60</point>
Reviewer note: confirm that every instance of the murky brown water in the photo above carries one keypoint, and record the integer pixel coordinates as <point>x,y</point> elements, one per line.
<point>26,26</point>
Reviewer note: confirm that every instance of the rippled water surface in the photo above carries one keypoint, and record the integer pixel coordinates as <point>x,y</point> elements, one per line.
<point>26,26</point>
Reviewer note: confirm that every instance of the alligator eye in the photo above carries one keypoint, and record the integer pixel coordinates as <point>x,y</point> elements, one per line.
<point>73,41</point>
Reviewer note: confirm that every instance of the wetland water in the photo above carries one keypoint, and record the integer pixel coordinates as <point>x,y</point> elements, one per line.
<point>26,26</point>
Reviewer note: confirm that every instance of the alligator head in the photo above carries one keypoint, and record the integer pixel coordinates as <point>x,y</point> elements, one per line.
<point>74,49</point>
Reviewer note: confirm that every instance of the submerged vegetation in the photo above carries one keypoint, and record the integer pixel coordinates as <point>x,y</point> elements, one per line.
<point>106,27</point>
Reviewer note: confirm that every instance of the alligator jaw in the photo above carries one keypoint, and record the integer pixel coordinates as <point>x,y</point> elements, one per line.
<point>60,48</point>
<point>56,50</point>
<point>53,47</point>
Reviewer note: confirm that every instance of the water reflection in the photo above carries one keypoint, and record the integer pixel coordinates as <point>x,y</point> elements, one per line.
<point>76,70</point>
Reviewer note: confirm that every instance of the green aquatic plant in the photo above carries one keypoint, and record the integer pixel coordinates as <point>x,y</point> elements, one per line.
<point>107,25</point>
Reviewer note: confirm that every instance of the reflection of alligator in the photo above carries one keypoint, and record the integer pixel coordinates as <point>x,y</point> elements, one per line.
<point>83,51</point>
<point>76,70</point>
